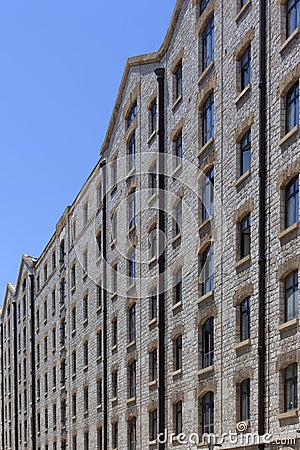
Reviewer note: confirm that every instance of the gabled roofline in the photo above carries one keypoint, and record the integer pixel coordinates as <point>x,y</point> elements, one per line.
<point>149,58</point>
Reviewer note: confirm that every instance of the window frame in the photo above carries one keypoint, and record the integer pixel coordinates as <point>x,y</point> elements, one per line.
<point>246,68</point>
<point>292,107</point>
<point>208,43</point>
<point>208,120</point>
<point>292,5</point>
<point>245,317</point>
<point>245,399</point>
<point>291,192</point>
<point>294,275</point>
<point>245,236</point>
<point>245,152</point>
<point>208,343</point>
<point>290,383</point>
<point>208,411</point>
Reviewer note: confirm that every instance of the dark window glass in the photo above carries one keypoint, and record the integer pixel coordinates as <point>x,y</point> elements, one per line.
<point>208,270</point>
<point>208,343</point>
<point>153,425</point>
<point>290,388</point>
<point>178,81</point>
<point>178,352</point>
<point>246,68</point>
<point>203,5</point>
<point>131,152</point>
<point>245,319</point>
<point>246,152</point>
<point>178,418</point>
<point>292,107</point>
<point>292,202</point>
<point>131,115</point>
<point>291,296</point>
<point>131,324</point>
<point>245,400</point>
<point>132,434</point>
<point>208,195</point>
<point>153,117</point>
<point>245,236</point>
<point>292,16</point>
<point>208,119</point>
<point>208,43</point>
<point>178,149</point>
<point>208,413</point>
<point>132,379</point>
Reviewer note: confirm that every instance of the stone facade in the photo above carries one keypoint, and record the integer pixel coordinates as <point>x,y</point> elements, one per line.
<point>53,356</point>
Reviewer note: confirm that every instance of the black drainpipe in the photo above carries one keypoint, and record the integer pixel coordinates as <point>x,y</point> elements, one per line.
<point>104,290</point>
<point>160,73</point>
<point>2,386</point>
<point>33,373</point>
<point>15,366</point>
<point>262,221</point>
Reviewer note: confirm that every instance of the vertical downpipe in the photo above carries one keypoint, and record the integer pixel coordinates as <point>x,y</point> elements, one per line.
<point>160,73</point>
<point>15,366</point>
<point>104,290</point>
<point>33,373</point>
<point>2,386</point>
<point>262,221</point>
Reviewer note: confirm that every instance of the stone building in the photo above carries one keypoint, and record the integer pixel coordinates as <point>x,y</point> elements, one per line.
<point>167,300</point>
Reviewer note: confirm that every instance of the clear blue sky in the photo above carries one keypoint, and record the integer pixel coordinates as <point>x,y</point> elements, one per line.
<point>61,66</point>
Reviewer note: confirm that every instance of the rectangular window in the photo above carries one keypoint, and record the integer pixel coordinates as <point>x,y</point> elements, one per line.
<point>74,405</point>
<point>53,301</point>
<point>208,44</point>
<point>153,365</point>
<point>177,290</point>
<point>85,213</point>
<point>85,262</point>
<point>178,417</point>
<point>208,119</point>
<point>86,440</point>
<point>73,319</point>
<point>114,384</point>
<point>99,296</point>
<point>131,153</point>
<point>208,195</point>
<point>53,260</point>
<point>290,388</point>
<point>86,399</point>
<point>292,202</point>
<point>45,273</point>
<point>246,74</point>
<point>131,211</point>
<point>132,434</point>
<point>99,344</point>
<point>153,425</point>
<point>291,296</point>
<point>54,376</point>
<point>245,400</point>
<point>178,353</point>
<point>178,149</point>
<point>132,323</point>
<point>99,438</point>
<point>114,435</point>
<point>85,308</point>
<point>208,413</point>
<point>99,392</point>
<point>153,243</point>
<point>245,152</point>
<point>245,236</point>
<point>74,442</point>
<point>85,354</point>
<point>292,107</point>
<point>245,319</point>
<point>292,16</point>
<point>131,115</point>
<point>178,219</point>
<point>132,266</point>
<point>153,305</point>
<point>114,332</point>
<point>208,343</point>
<point>74,362</point>
<point>132,379</point>
<point>153,117</point>
<point>178,81</point>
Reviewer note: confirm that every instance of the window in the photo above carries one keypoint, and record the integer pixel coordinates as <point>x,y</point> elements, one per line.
<point>208,413</point>
<point>178,417</point>
<point>178,81</point>
<point>208,119</point>
<point>99,295</point>
<point>292,107</point>
<point>114,279</point>
<point>208,195</point>
<point>114,433</point>
<point>74,442</point>
<point>99,344</point>
<point>290,388</point>
<point>245,400</point>
<point>153,425</point>
<point>86,440</point>
<point>132,433</point>
<point>45,311</point>
<point>45,347</point>
<point>178,219</point>
<point>99,392</point>
<point>208,343</point>
<point>153,365</point>
<point>246,69</point>
<point>62,291</point>
<point>74,405</point>
<point>62,252</point>
<point>131,210</point>
<point>131,115</point>
<point>245,152</point>
<point>132,379</point>
<point>54,377</point>
<point>291,296</point>
<point>153,117</point>
<point>85,213</point>
<point>85,262</point>
<point>245,319</point>
<point>73,319</point>
<point>74,362</point>
<point>53,260</point>
<point>245,236</point>
<point>132,323</point>
<point>131,152</point>
<point>177,290</point>
<point>85,399</point>
<point>207,267</point>
<point>208,44</point>
<point>99,438</point>
<point>73,230</point>
<point>54,414</point>
<point>114,332</point>
<point>99,244</point>
<point>85,308</point>
<point>178,149</point>
<point>132,266</point>
<point>85,354</point>
<point>153,305</point>
<point>114,173</point>
<point>114,225</point>
<point>53,302</point>
<point>178,353</point>
<point>203,5</point>
<point>292,202</point>
<point>45,273</point>
<point>292,16</point>
<point>153,243</point>
<point>62,332</point>
<point>152,181</point>
<point>114,384</point>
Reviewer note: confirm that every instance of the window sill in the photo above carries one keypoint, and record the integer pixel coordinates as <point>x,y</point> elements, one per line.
<point>131,288</point>
<point>289,40</point>
<point>175,240</point>
<point>289,135</point>
<point>151,137</point>
<point>203,224</point>
<point>131,400</point>
<point>84,276</point>
<point>288,415</point>
<point>73,333</point>
<point>176,102</point>
<point>152,198</point>
<point>113,243</point>
<point>242,178</point>
<point>152,321</point>
<point>73,289</point>
<point>176,306</point>
<point>206,370</point>
<point>114,348</point>
<point>152,260</point>
<point>113,400</point>
<point>288,230</point>
<point>131,230</point>
<point>176,373</point>
<point>99,259</point>
<point>243,262</point>
<point>152,383</point>
<point>205,72</point>
<point>114,296</point>
<point>131,344</point>
<point>287,325</point>
<point>130,173</point>
<point>85,368</point>
<point>242,344</point>
<point>243,94</point>
<point>208,296</point>
<point>176,170</point>
<point>151,443</point>
<point>205,146</point>
<point>242,11</point>
<point>99,407</point>
<point>85,322</point>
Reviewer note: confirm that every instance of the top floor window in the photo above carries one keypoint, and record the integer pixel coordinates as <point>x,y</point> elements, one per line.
<point>131,115</point>
<point>153,117</point>
<point>178,81</point>
<point>62,252</point>
<point>131,152</point>
<point>292,16</point>
<point>208,43</point>
<point>292,107</point>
